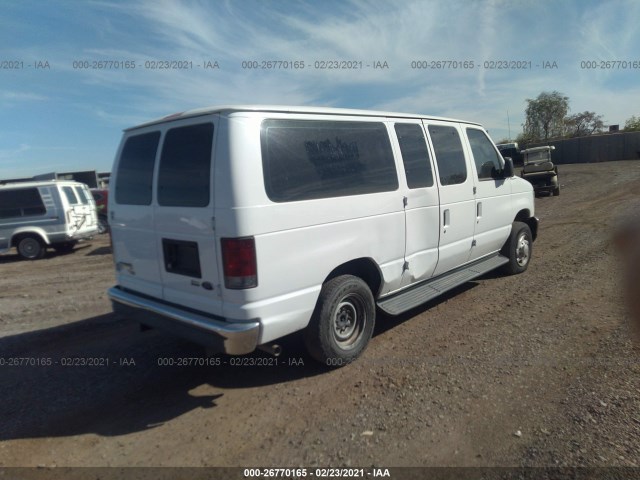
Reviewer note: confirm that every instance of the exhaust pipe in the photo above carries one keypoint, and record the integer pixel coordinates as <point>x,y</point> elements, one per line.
<point>273,349</point>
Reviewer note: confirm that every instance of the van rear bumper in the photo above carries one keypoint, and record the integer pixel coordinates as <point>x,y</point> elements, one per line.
<point>236,338</point>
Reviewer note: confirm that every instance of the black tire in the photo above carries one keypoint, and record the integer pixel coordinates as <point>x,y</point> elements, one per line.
<point>64,247</point>
<point>518,249</point>
<point>342,323</point>
<point>555,184</point>
<point>31,247</point>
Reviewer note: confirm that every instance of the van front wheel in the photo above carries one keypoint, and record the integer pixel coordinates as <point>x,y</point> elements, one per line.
<point>31,247</point>
<point>518,249</point>
<point>343,321</point>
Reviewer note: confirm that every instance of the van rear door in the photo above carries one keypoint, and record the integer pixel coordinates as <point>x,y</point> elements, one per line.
<point>135,252</point>
<point>76,211</point>
<point>184,216</point>
<point>87,208</point>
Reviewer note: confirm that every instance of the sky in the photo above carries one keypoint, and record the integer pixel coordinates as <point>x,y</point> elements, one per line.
<point>74,74</point>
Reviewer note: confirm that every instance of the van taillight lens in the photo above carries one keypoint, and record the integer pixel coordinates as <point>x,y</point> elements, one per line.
<point>239,263</point>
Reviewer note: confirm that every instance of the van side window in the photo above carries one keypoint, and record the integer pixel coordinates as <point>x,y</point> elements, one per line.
<point>415,155</point>
<point>452,167</point>
<point>486,158</point>
<point>22,202</point>
<point>309,159</point>
<point>185,166</point>
<point>71,197</point>
<point>135,170</point>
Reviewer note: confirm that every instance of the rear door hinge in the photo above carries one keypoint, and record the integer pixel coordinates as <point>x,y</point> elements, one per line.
<point>405,266</point>
<point>474,190</point>
<point>405,201</point>
<point>213,223</point>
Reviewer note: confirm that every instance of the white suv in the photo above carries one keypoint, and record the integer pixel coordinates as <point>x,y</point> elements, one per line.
<point>235,226</point>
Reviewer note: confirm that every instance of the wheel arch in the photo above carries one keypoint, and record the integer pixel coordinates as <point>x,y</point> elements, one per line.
<point>365,268</point>
<point>19,234</point>
<point>524,216</point>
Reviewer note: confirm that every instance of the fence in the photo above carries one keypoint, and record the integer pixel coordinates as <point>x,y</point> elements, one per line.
<point>595,148</point>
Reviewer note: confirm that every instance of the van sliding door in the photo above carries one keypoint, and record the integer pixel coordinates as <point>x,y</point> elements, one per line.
<point>457,199</point>
<point>422,203</point>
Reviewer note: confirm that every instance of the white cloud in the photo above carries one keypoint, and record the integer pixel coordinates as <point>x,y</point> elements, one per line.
<point>13,97</point>
<point>364,30</point>
<point>8,156</point>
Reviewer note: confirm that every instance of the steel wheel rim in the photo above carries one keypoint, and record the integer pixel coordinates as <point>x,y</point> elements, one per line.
<point>349,320</point>
<point>523,250</point>
<point>29,247</point>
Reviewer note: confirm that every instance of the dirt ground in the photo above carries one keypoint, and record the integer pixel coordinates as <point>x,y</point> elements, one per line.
<point>532,370</point>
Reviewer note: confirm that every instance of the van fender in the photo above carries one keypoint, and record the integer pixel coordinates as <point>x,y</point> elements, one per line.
<point>31,230</point>
<point>365,268</point>
<point>526,217</point>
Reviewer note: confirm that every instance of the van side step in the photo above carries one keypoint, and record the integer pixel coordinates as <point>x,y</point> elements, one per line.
<point>430,289</point>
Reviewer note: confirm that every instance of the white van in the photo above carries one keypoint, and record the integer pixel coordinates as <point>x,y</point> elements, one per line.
<point>235,226</point>
<point>52,213</point>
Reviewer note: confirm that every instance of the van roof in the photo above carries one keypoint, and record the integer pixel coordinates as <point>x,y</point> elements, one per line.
<point>37,183</point>
<point>290,109</point>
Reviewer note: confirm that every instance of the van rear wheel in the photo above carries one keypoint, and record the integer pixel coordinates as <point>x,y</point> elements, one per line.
<point>343,321</point>
<point>31,247</point>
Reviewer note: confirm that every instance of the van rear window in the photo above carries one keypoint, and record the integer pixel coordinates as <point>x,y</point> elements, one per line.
<point>21,202</point>
<point>309,159</point>
<point>135,169</point>
<point>82,195</point>
<point>185,166</point>
<point>71,197</point>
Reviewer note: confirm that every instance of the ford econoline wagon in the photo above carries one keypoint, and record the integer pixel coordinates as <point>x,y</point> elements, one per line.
<point>235,226</point>
<point>41,214</point>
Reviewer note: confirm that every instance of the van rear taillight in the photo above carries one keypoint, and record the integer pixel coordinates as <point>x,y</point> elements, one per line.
<point>239,262</point>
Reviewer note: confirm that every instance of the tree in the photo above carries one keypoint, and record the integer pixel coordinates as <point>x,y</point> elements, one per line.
<point>524,140</point>
<point>545,115</point>
<point>632,124</point>
<point>582,124</point>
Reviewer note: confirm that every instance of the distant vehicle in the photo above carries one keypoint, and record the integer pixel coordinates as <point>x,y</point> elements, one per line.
<point>236,226</point>
<point>510,150</point>
<point>101,198</point>
<point>37,215</point>
<point>540,171</point>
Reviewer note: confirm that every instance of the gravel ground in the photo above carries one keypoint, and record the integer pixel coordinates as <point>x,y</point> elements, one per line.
<point>532,370</point>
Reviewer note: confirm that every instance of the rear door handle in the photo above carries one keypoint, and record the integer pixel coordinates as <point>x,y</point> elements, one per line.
<point>446,218</point>
<point>479,210</point>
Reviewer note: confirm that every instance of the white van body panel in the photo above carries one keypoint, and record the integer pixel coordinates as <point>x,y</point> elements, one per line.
<point>405,235</point>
